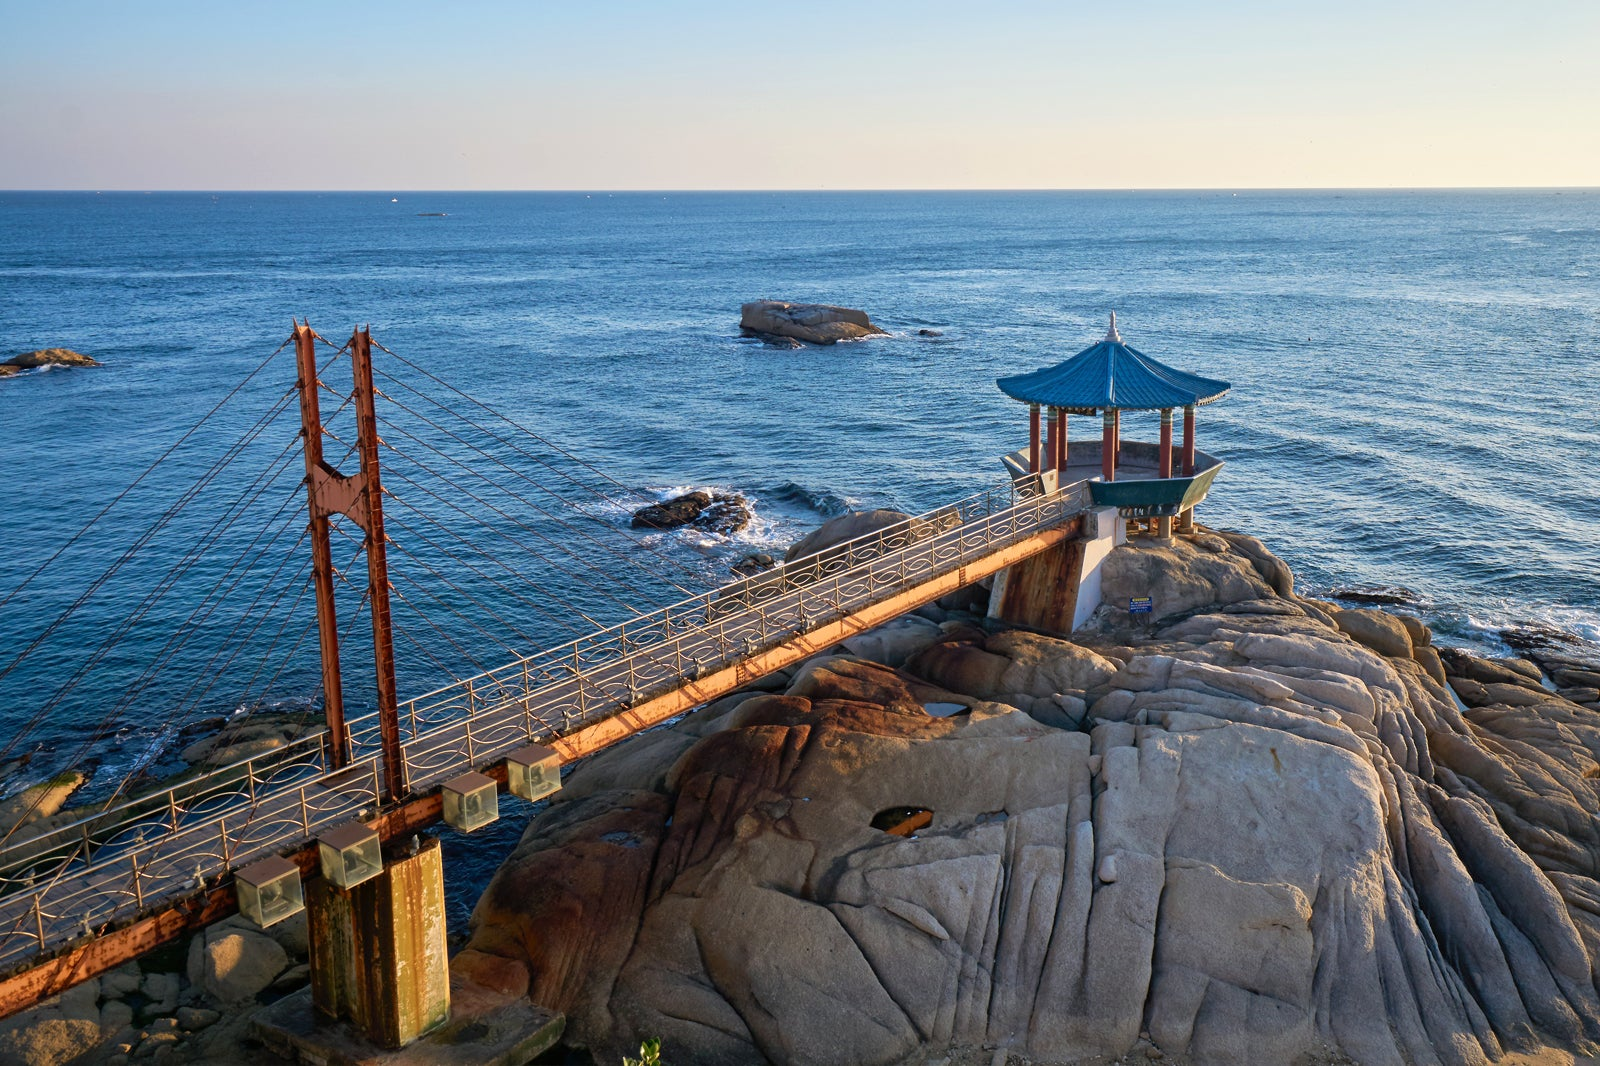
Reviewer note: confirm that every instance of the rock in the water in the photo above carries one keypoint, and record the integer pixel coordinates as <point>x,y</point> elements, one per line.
<point>753,563</point>
<point>1378,595</point>
<point>249,737</point>
<point>726,515</point>
<point>45,357</point>
<point>813,323</point>
<point>720,513</point>
<point>670,514</point>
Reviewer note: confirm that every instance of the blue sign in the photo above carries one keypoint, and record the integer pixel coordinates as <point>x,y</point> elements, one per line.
<point>1139,605</point>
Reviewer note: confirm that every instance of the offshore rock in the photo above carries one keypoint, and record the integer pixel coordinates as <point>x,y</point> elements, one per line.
<point>720,513</point>
<point>1236,836</point>
<point>45,357</point>
<point>752,563</point>
<point>249,737</point>
<point>813,323</point>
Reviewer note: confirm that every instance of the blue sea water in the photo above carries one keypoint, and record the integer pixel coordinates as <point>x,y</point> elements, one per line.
<point>1414,405</point>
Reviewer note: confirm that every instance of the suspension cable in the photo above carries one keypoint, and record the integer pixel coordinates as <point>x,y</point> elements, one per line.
<point>163,457</point>
<point>635,541</point>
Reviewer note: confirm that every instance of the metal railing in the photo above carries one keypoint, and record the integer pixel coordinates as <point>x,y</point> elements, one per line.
<point>64,883</point>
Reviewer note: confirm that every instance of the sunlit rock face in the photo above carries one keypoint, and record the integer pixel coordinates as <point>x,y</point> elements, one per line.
<point>1236,836</point>
<point>812,323</point>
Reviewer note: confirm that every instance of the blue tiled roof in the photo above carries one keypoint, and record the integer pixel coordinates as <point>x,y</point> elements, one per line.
<point>1112,375</point>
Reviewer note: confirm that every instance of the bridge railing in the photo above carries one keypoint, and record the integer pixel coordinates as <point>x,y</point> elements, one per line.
<point>71,879</point>
<point>578,657</point>
<point>584,682</point>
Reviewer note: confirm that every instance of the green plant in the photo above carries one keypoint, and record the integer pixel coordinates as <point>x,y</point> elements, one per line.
<point>649,1054</point>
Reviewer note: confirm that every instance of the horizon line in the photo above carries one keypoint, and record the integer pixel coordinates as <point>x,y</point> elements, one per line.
<point>825,189</point>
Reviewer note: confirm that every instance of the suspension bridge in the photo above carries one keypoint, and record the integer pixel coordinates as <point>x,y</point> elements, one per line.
<point>519,545</point>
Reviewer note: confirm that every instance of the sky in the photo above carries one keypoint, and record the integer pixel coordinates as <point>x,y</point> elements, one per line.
<point>980,94</point>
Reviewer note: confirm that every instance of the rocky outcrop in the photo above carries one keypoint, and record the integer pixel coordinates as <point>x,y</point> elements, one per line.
<point>32,810</point>
<point>812,323</point>
<point>844,528</point>
<point>1241,834</point>
<point>45,357</point>
<point>722,513</point>
<point>142,1011</point>
<point>248,737</point>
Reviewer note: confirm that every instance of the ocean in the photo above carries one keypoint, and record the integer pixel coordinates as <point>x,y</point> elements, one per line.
<point>1414,407</point>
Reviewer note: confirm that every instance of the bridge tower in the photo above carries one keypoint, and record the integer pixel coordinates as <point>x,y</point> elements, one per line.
<point>376,917</point>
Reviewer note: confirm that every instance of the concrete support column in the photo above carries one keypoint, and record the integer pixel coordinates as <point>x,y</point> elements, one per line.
<point>1165,469</point>
<point>1061,438</point>
<point>378,954</point>
<point>1188,440</point>
<point>1052,451</point>
<point>1033,437</point>
<point>1116,422</point>
<point>1108,446</point>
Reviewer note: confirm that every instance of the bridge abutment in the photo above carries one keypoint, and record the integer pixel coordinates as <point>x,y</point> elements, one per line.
<point>1058,589</point>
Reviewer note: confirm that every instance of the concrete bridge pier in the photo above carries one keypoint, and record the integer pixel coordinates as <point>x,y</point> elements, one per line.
<point>381,988</point>
<point>1059,589</point>
<point>378,952</point>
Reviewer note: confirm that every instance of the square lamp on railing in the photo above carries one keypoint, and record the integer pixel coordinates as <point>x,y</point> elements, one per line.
<point>269,891</point>
<point>534,771</point>
<point>350,854</point>
<point>471,801</point>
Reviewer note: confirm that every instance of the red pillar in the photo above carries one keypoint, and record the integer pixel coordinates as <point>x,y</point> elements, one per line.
<point>1188,441</point>
<point>1108,446</point>
<point>1033,437</point>
<point>1061,438</point>
<point>1166,442</point>
<point>1116,423</point>
<point>1051,452</point>
<point>305,345</point>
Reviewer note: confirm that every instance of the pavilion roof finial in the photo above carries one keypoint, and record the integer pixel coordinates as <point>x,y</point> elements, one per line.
<point>1111,334</point>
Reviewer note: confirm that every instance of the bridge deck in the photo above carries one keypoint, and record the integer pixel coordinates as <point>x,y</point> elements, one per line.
<point>62,893</point>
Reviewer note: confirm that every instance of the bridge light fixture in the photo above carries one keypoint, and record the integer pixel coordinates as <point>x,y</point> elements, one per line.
<point>533,772</point>
<point>269,891</point>
<point>351,854</point>
<point>471,801</point>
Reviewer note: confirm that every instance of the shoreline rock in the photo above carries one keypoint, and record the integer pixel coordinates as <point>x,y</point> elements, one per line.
<point>812,323</point>
<point>1259,830</point>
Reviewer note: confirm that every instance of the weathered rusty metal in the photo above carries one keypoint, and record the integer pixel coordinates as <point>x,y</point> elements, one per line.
<point>111,948</point>
<point>318,475</point>
<point>1042,591</point>
<point>377,564</point>
<point>378,952</point>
